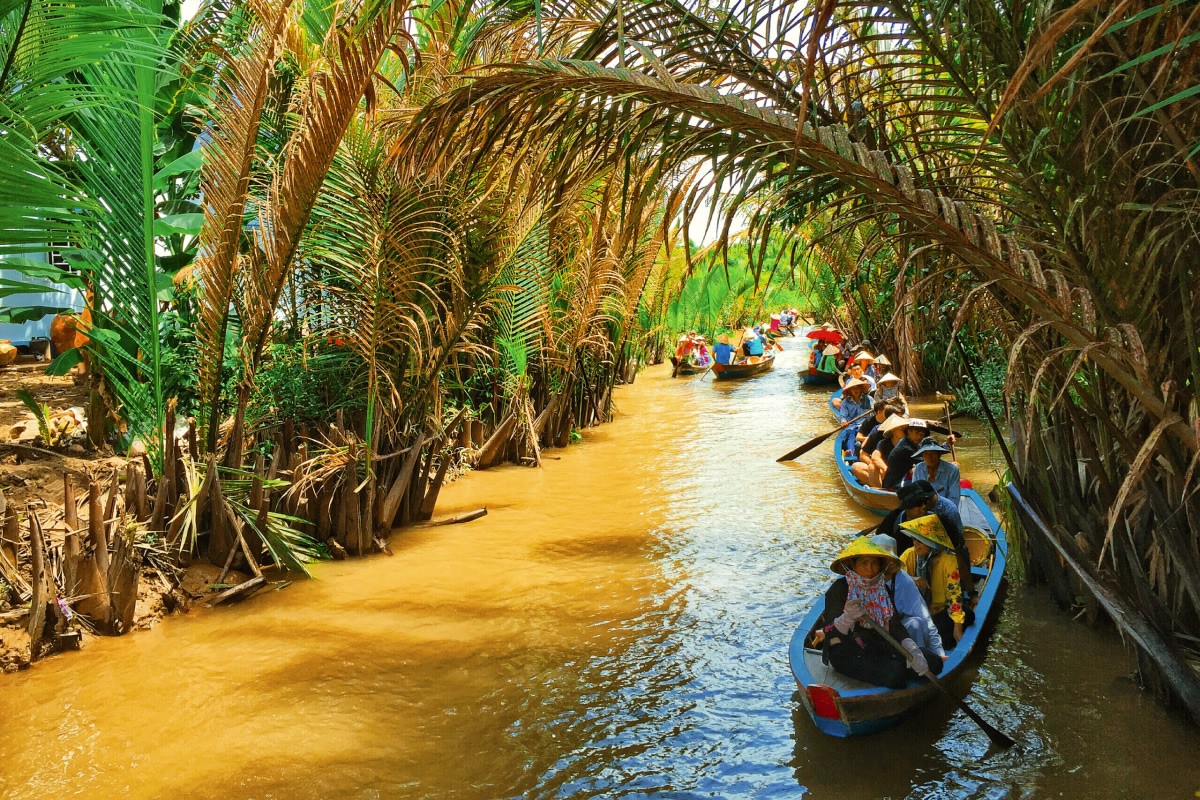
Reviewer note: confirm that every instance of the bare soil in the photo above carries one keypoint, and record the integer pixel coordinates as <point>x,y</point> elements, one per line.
<point>31,478</point>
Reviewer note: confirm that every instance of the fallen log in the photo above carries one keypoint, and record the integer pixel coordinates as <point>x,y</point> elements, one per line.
<point>461,518</point>
<point>241,591</point>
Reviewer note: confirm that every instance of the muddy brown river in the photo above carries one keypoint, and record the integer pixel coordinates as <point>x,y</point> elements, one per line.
<point>617,626</point>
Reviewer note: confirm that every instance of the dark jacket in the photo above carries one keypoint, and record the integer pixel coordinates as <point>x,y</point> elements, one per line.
<point>899,462</point>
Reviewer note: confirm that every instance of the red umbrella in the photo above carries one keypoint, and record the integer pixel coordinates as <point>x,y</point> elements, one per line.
<point>830,335</point>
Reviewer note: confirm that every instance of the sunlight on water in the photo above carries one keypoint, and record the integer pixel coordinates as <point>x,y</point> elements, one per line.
<point>616,626</point>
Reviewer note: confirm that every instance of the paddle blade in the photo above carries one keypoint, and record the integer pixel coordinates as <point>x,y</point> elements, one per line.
<point>804,448</point>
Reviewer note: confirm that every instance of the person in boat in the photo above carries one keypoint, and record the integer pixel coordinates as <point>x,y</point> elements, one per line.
<point>917,499</point>
<point>857,370</point>
<point>723,351</point>
<point>904,455</point>
<point>865,360</point>
<point>879,446</point>
<point>888,388</point>
<point>914,612</point>
<point>942,474</point>
<point>869,436</point>
<point>683,347</point>
<point>828,361</point>
<point>851,646</point>
<point>932,564</point>
<point>752,344</point>
<point>879,367</point>
<point>854,401</point>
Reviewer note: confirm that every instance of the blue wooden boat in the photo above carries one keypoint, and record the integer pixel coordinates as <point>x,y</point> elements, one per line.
<point>755,365</point>
<point>841,706</point>
<point>878,501</point>
<point>815,377</point>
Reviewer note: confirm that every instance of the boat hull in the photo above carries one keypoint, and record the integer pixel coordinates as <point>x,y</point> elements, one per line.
<point>817,378</point>
<point>732,371</point>
<point>853,708</point>
<point>877,501</point>
<point>686,368</point>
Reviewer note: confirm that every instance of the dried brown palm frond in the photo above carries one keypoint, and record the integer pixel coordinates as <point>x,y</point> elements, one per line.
<point>241,89</point>
<point>326,104</point>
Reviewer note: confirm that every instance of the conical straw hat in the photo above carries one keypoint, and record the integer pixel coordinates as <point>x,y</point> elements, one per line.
<point>863,546</point>
<point>929,529</point>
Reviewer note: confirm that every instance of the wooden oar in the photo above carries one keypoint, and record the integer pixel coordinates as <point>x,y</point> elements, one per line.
<point>865,531</point>
<point>811,443</point>
<point>996,736</point>
<point>946,406</point>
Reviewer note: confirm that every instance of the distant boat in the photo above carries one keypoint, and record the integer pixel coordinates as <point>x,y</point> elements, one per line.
<point>842,706</point>
<point>687,367</point>
<point>754,365</point>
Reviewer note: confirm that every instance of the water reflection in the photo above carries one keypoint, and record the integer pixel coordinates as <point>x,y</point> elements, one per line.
<point>615,627</point>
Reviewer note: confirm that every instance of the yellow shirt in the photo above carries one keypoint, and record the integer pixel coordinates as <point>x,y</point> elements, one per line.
<point>945,590</point>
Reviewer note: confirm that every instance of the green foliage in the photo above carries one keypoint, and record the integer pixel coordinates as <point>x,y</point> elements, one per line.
<point>294,384</point>
<point>180,352</point>
<point>727,295</point>
<point>40,413</point>
<point>990,372</point>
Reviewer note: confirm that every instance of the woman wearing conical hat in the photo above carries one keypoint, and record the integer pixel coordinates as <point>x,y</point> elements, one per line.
<point>852,646</point>
<point>934,568</point>
<point>942,474</point>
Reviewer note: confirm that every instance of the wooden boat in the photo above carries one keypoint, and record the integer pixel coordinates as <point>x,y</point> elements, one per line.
<point>878,501</point>
<point>814,377</point>
<point>841,706</point>
<point>755,365</point>
<point>687,367</point>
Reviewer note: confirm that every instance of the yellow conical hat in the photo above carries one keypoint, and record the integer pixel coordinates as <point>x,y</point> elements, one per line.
<point>863,546</point>
<point>929,529</point>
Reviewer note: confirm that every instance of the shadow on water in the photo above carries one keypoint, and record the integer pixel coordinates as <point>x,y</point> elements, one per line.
<point>617,626</point>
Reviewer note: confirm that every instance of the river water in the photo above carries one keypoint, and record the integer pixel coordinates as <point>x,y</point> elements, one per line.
<point>617,626</point>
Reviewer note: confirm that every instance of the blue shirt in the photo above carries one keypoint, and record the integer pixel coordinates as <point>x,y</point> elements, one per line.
<point>947,482</point>
<point>754,346</point>
<point>723,353</point>
<point>851,409</point>
<point>908,601</point>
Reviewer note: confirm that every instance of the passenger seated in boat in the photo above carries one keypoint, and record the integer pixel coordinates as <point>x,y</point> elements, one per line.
<point>918,499</point>
<point>683,347</point>
<point>891,431</point>
<point>889,389</point>
<point>856,371</point>
<point>752,344</point>
<point>857,368</point>
<point>828,361</point>
<point>723,351</point>
<point>880,367</point>
<point>874,444</point>
<point>909,601</point>
<point>934,568</point>
<point>852,647</point>
<point>904,454</point>
<point>854,401</point>
<point>942,474</point>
